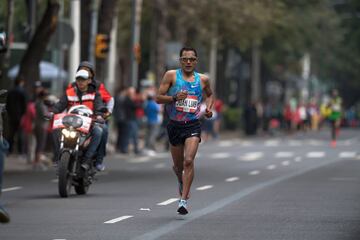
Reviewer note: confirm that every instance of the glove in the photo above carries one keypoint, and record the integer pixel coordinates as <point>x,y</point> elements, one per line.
<point>48,116</point>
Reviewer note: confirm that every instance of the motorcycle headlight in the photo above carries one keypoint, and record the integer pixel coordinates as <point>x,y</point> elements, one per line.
<point>69,133</point>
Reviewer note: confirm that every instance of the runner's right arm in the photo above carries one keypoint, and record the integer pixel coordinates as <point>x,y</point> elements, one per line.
<point>165,84</point>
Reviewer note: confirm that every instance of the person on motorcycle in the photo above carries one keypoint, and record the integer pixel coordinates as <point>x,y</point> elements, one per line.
<point>108,100</point>
<point>83,92</point>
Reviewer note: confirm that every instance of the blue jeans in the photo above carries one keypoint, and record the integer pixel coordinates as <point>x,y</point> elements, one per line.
<point>4,146</point>
<point>132,134</point>
<point>102,147</point>
<point>96,134</point>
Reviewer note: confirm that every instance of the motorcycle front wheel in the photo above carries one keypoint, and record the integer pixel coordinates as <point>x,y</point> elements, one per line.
<point>81,188</point>
<point>65,180</point>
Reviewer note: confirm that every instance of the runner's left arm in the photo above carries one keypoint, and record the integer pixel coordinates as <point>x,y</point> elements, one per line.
<point>209,101</point>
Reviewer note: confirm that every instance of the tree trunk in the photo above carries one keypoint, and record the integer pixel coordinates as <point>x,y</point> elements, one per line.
<point>106,14</point>
<point>29,66</point>
<point>85,28</point>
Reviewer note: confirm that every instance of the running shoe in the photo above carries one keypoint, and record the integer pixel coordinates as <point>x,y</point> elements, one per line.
<point>182,210</point>
<point>4,216</point>
<point>100,167</point>
<point>333,143</point>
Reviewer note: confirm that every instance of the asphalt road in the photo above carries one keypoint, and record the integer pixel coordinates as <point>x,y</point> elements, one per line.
<point>286,187</point>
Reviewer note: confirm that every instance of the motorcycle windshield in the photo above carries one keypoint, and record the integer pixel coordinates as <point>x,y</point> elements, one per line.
<point>72,121</point>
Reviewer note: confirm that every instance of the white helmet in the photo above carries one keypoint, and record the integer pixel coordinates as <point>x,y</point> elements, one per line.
<point>81,110</point>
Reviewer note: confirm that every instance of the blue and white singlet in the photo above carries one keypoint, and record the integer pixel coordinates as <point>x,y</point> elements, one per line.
<point>189,108</point>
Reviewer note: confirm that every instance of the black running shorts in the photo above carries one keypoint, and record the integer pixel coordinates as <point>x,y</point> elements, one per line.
<point>178,132</point>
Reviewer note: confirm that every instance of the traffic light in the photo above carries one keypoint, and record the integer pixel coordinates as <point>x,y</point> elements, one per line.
<point>102,45</point>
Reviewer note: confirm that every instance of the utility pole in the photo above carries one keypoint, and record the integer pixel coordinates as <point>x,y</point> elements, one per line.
<point>110,81</point>
<point>93,30</point>
<point>135,46</point>
<point>255,72</point>
<point>213,48</point>
<point>75,47</point>
<point>305,76</point>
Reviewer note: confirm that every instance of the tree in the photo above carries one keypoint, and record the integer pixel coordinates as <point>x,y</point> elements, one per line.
<point>29,65</point>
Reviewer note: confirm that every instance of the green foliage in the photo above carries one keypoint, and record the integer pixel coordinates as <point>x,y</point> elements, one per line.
<point>232,118</point>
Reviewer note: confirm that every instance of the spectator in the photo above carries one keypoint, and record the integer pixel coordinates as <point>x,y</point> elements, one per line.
<point>16,107</point>
<point>120,120</point>
<point>152,110</point>
<point>40,128</point>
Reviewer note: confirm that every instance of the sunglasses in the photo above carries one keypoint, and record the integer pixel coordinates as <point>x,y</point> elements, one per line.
<point>81,79</point>
<point>185,59</point>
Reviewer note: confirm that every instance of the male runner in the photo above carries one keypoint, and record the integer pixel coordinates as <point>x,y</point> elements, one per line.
<point>182,91</point>
<point>335,115</point>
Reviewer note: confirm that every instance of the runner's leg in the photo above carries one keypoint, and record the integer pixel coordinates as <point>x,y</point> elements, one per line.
<point>191,147</point>
<point>177,153</point>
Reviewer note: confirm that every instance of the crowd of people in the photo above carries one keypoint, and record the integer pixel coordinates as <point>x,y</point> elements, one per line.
<point>295,116</point>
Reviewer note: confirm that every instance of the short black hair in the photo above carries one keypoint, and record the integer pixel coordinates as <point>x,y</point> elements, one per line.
<point>185,49</point>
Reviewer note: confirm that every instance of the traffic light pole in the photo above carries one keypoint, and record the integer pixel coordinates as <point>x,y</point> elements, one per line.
<point>93,30</point>
<point>136,23</point>
<point>75,48</point>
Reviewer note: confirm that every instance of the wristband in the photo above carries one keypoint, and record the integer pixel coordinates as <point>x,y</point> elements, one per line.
<point>174,97</point>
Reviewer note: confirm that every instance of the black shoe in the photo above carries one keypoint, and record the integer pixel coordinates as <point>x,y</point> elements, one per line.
<point>4,216</point>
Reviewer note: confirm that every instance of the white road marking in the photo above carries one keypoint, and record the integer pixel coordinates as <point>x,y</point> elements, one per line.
<point>315,143</point>
<point>139,160</point>
<point>347,155</point>
<point>145,209</point>
<point>226,144</point>
<point>159,165</point>
<point>272,143</point>
<point>284,154</point>
<point>295,143</point>
<point>255,172</point>
<point>11,189</point>
<point>247,144</point>
<point>115,220</point>
<point>232,179</point>
<point>55,180</point>
<point>298,159</point>
<point>285,163</point>
<point>167,202</point>
<point>271,167</point>
<point>315,154</point>
<point>251,156</point>
<point>220,155</point>
<point>59,239</point>
<point>204,187</point>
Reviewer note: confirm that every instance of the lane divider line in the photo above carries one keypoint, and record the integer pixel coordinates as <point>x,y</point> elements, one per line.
<point>285,163</point>
<point>232,179</point>
<point>11,189</point>
<point>204,187</point>
<point>315,154</point>
<point>347,155</point>
<point>271,167</point>
<point>167,202</point>
<point>255,172</point>
<point>115,220</point>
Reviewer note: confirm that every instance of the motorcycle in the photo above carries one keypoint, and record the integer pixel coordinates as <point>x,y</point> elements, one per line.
<point>74,126</point>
